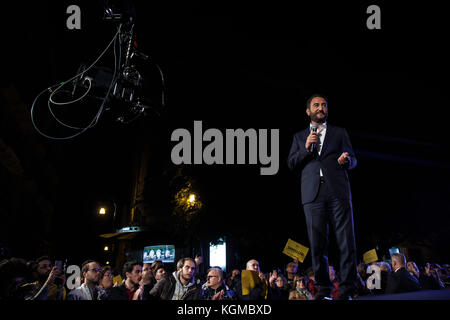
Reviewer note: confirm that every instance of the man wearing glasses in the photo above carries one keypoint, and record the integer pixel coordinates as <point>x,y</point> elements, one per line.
<point>89,290</point>
<point>215,287</point>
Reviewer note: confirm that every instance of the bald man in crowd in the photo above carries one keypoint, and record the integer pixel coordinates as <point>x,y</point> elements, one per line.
<point>257,293</point>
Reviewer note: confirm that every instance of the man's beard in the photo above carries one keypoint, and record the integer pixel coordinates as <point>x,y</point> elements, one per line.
<point>186,279</point>
<point>316,119</point>
<point>95,281</point>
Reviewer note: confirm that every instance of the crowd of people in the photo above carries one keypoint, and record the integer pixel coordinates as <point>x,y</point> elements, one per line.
<point>40,280</point>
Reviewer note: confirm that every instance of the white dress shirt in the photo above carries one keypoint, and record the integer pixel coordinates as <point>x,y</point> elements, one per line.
<point>321,130</point>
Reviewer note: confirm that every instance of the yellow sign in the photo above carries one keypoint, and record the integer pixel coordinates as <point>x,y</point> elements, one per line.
<point>251,279</point>
<point>118,280</point>
<point>295,250</point>
<point>370,256</point>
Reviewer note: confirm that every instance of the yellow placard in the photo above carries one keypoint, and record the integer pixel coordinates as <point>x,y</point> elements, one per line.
<point>370,256</point>
<point>118,280</point>
<point>251,279</point>
<point>295,250</point>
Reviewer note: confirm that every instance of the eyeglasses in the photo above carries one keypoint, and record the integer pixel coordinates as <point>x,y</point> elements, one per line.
<point>209,277</point>
<point>95,270</point>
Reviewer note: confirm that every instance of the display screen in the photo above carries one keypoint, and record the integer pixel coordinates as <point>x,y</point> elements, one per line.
<point>165,253</point>
<point>218,254</point>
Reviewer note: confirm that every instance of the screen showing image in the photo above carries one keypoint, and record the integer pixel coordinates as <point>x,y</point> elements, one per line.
<point>165,253</point>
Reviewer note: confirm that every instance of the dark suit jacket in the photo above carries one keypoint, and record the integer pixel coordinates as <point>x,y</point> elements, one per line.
<point>308,164</point>
<point>402,281</point>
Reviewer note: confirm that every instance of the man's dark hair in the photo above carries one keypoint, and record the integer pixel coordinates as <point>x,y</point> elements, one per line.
<point>128,266</point>
<point>85,265</point>
<point>156,265</point>
<point>42,258</point>
<point>183,261</point>
<point>310,272</point>
<point>316,95</point>
<point>104,269</point>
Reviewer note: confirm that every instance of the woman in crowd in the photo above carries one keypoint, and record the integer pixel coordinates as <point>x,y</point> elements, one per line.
<point>300,289</point>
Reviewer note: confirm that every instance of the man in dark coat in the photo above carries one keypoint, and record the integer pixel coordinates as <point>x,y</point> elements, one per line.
<point>400,280</point>
<point>323,154</point>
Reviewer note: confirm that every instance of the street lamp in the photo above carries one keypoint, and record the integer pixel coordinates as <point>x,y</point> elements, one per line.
<point>191,198</point>
<point>103,211</point>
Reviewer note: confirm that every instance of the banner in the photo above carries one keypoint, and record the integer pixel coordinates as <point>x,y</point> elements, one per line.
<point>295,250</point>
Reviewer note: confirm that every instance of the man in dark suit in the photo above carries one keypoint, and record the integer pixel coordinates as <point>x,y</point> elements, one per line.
<point>322,154</point>
<point>400,280</point>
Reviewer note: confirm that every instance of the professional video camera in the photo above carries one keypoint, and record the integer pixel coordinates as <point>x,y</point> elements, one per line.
<point>121,90</point>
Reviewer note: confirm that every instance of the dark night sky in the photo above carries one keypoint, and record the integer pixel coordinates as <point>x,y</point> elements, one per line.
<point>255,69</point>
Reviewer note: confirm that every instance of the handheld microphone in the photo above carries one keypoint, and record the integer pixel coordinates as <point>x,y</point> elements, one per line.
<point>313,146</point>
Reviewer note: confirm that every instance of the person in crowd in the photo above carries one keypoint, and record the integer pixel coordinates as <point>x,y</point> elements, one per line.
<point>179,285</point>
<point>385,271</point>
<point>50,283</point>
<point>334,282</point>
<point>291,272</point>
<point>299,289</point>
<point>430,280</point>
<point>312,282</point>
<point>259,292</point>
<point>361,287</point>
<point>215,287</point>
<point>445,275</point>
<point>230,280</point>
<point>89,289</point>
<point>147,281</point>
<point>362,271</point>
<point>412,269</point>
<point>132,271</point>
<point>400,279</point>
<point>278,286</point>
<point>13,275</point>
<point>159,271</point>
<point>106,279</point>
<point>199,276</point>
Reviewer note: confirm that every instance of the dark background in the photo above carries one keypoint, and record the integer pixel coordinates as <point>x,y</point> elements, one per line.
<point>234,68</point>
